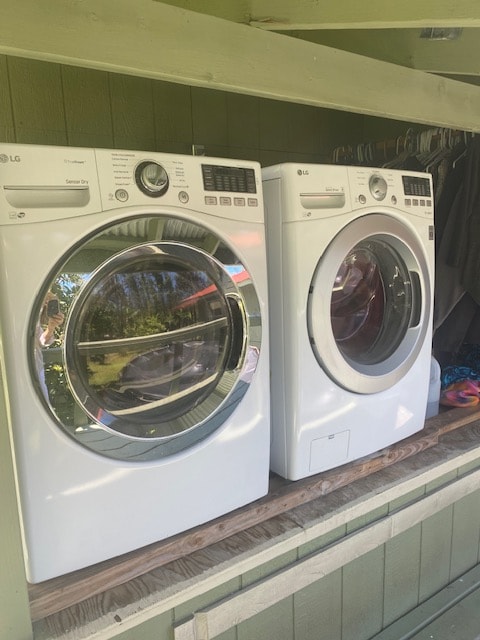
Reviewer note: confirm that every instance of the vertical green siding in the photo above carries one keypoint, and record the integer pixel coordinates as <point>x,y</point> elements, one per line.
<point>465,535</point>
<point>402,574</point>
<point>319,607</point>
<point>435,553</point>
<point>133,115</point>
<point>172,104</point>
<point>6,113</point>
<point>274,125</point>
<point>88,109</point>
<point>362,598</point>
<point>209,119</point>
<point>37,102</point>
<point>275,623</point>
<point>243,125</point>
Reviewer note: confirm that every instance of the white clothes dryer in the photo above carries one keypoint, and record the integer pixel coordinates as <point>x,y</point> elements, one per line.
<point>148,414</point>
<point>350,252</point>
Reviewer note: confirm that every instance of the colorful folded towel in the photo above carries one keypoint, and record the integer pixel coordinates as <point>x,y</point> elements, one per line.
<point>464,393</point>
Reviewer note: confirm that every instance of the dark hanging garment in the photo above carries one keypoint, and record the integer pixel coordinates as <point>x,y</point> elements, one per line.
<point>450,193</point>
<point>457,277</point>
<point>465,241</point>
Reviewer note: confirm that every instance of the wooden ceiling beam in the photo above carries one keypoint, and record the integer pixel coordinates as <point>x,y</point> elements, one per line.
<point>155,40</point>
<point>284,15</point>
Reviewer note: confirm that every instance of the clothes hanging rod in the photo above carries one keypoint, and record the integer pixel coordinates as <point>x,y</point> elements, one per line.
<point>402,142</point>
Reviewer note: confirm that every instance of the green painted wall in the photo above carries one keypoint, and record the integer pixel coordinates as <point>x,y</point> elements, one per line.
<point>46,103</point>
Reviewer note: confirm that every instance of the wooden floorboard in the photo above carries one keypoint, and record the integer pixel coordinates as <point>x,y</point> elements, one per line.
<point>56,595</point>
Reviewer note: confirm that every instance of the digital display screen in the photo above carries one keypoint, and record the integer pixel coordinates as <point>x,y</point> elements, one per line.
<point>416,186</point>
<point>233,179</point>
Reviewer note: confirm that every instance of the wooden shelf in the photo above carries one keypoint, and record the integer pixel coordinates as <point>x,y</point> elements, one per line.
<point>58,594</point>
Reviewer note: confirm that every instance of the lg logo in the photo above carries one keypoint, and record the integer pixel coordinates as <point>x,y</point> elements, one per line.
<point>303,172</point>
<point>4,158</point>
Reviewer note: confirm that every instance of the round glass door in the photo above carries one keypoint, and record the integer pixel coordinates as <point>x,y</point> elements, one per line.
<point>156,339</point>
<point>369,304</point>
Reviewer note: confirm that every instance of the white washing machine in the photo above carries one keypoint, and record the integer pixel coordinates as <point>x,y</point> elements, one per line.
<point>351,260</point>
<point>147,412</point>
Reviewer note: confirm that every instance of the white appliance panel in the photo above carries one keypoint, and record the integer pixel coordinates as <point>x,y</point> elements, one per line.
<point>78,506</point>
<point>328,409</point>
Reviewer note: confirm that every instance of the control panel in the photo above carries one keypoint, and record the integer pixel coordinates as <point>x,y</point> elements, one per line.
<point>411,191</point>
<point>80,181</point>
<point>231,188</point>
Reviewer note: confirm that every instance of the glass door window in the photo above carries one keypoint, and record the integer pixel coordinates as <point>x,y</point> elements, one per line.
<point>370,303</point>
<point>158,332</point>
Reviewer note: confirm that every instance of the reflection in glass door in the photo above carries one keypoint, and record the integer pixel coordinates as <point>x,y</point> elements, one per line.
<point>369,304</point>
<point>157,337</point>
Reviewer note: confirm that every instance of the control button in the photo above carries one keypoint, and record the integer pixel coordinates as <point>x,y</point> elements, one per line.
<point>394,199</point>
<point>415,202</point>
<point>151,178</point>
<point>422,203</point>
<point>183,197</point>
<point>362,199</point>
<point>239,202</point>
<point>378,187</point>
<point>429,203</point>
<point>226,201</point>
<point>408,202</point>
<point>210,199</point>
<point>121,195</point>
<point>252,202</point>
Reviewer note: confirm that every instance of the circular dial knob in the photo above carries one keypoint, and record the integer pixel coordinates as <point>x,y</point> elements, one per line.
<point>378,187</point>
<point>151,178</point>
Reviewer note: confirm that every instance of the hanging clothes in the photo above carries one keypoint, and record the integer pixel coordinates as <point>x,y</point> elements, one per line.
<point>448,286</point>
<point>457,283</point>
<point>465,241</point>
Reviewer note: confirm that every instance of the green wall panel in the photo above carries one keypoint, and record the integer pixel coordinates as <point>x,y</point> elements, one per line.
<point>209,118</point>
<point>435,553</point>
<point>402,574</point>
<point>243,122</point>
<point>275,623</point>
<point>172,107</point>
<point>465,535</point>
<point>318,609</point>
<point>88,111</point>
<point>362,596</point>
<point>133,117</point>
<point>37,101</point>
<point>7,132</point>
<point>274,125</point>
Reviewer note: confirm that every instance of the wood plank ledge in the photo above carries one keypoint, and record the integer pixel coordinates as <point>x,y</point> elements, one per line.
<point>57,594</point>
